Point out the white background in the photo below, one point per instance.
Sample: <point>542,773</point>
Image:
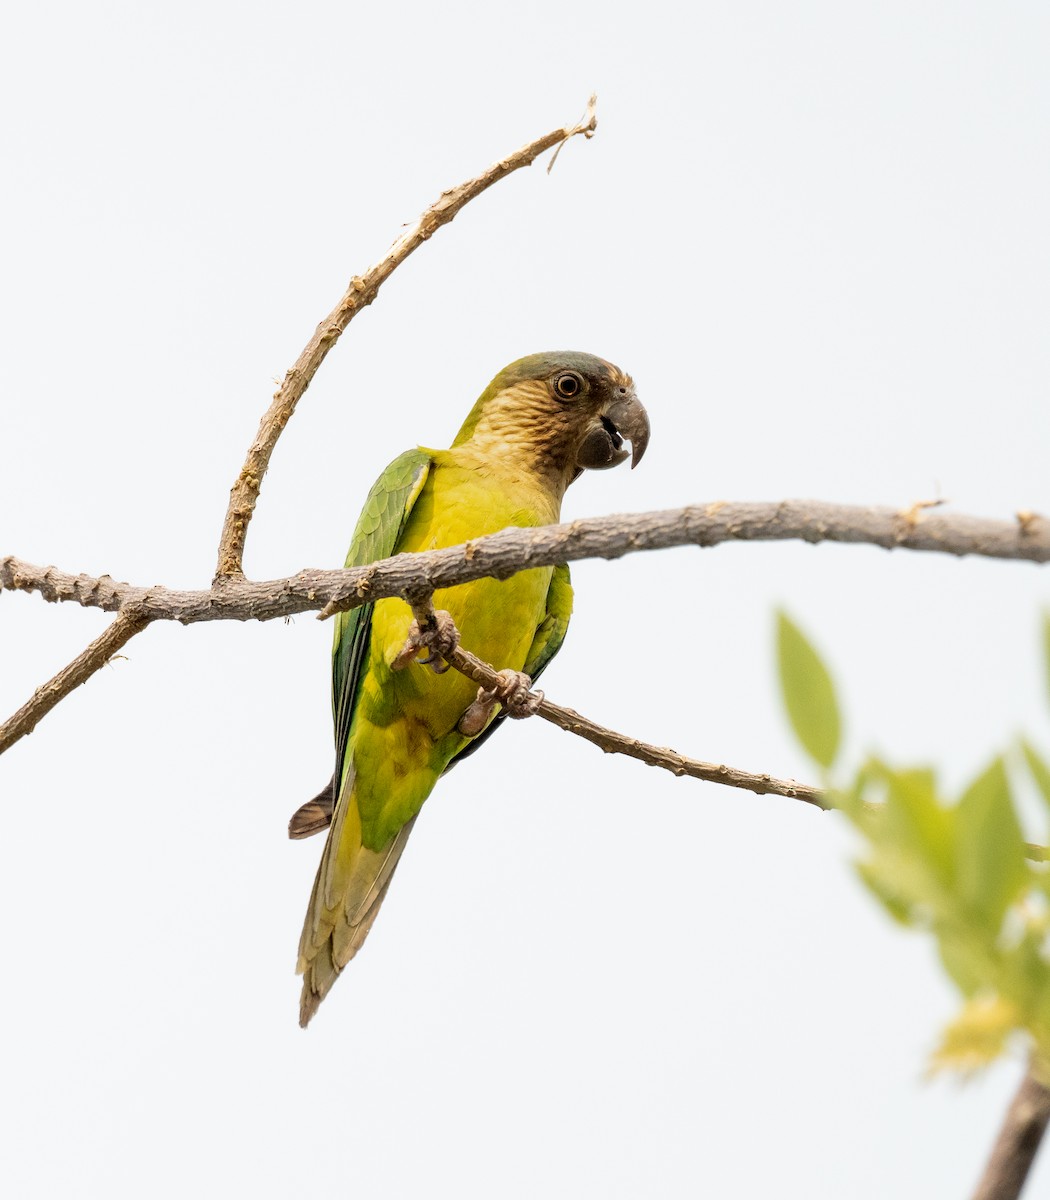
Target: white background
<point>817,235</point>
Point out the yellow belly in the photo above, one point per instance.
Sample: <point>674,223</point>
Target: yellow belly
<point>404,730</point>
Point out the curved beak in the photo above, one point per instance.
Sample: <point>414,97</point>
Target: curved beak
<point>630,422</point>
<point>621,420</point>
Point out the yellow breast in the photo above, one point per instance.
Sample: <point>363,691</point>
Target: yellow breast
<point>404,731</point>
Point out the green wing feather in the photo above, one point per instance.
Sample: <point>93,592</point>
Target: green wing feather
<point>551,631</point>
<point>376,536</point>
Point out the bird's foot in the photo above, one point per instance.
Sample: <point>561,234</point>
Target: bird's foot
<point>436,633</point>
<point>513,690</point>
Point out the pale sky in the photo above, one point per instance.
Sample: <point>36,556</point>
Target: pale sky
<point>817,236</point>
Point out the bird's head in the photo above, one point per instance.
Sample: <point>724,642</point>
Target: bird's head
<point>563,412</point>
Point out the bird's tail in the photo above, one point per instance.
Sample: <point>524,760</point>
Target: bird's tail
<point>350,886</point>
<point>315,814</point>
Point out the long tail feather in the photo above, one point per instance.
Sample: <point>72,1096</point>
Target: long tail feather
<point>348,891</point>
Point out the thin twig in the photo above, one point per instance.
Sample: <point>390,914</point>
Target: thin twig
<point>361,292</point>
<point>586,125</point>
<point>483,674</point>
<point>44,699</point>
<point>654,756</point>
<point>1015,1147</point>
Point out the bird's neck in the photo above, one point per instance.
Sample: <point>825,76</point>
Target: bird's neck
<point>522,481</point>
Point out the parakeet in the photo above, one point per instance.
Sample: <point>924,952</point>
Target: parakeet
<point>537,426</point>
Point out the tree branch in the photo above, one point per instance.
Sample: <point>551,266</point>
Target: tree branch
<point>501,554</point>
<point>1015,1147</point>
<point>612,742</point>
<point>361,292</point>
<point>44,699</point>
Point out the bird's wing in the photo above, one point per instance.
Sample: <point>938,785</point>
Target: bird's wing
<point>378,529</point>
<point>551,631</point>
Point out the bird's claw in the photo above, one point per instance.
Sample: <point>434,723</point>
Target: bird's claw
<point>513,690</point>
<point>438,634</point>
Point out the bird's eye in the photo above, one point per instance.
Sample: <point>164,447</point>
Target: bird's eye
<point>568,385</point>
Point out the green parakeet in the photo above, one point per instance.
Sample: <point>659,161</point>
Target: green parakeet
<point>537,426</point>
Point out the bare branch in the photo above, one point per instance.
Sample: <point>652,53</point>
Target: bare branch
<point>361,292</point>
<point>44,699</point>
<point>654,756</point>
<point>501,554</point>
<point>1015,1147</point>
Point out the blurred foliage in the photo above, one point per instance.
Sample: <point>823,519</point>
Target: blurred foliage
<point>809,694</point>
<point>959,869</point>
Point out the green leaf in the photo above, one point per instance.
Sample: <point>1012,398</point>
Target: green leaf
<point>809,694</point>
<point>1037,765</point>
<point>966,963</point>
<point>989,848</point>
<point>1025,973</point>
<point>910,866</point>
<point>883,886</point>
<point>922,829</point>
